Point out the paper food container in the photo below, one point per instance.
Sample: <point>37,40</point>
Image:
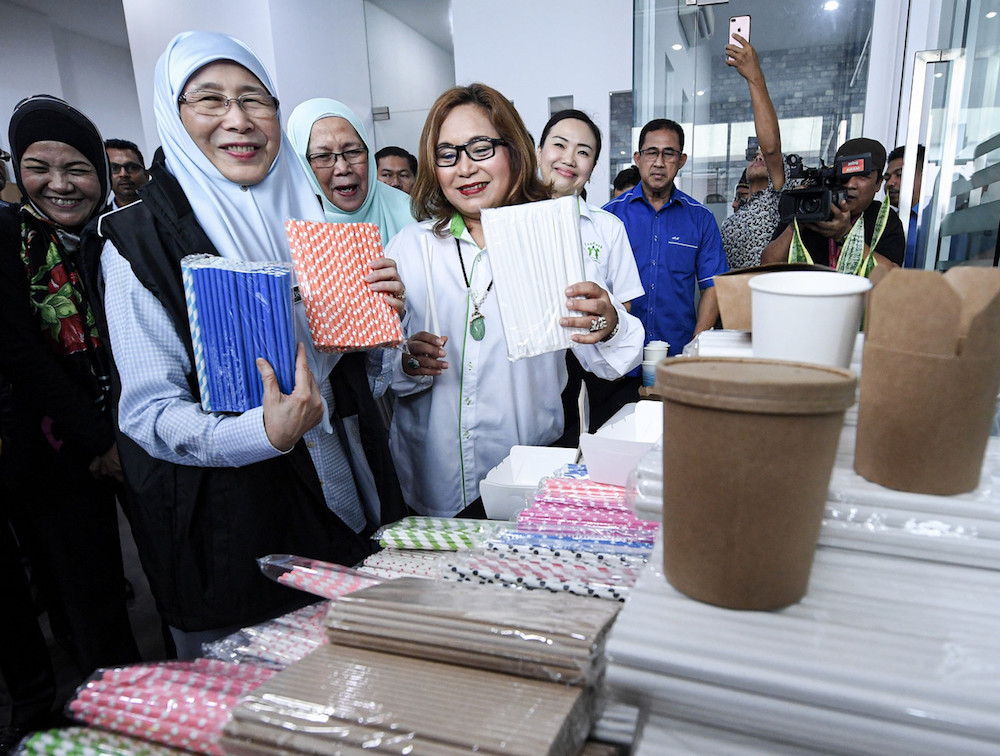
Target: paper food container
<point>733,291</point>
<point>506,487</point>
<point>615,450</point>
<point>931,379</point>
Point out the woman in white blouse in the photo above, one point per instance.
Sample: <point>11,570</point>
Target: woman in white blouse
<point>461,405</point>
<point>567,153</point>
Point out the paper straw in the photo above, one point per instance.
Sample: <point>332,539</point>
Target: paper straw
<point>427,251</point>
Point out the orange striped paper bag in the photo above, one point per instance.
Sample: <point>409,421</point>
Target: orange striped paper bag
<point>331,262</point>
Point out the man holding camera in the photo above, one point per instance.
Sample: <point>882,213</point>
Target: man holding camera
<point>853,220</point>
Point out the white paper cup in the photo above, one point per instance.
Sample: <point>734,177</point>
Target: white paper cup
<point>655,351</point>
<point>807,316</point>
<point>649,372</point>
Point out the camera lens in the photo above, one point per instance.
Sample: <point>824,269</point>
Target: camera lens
<point>810,205</point>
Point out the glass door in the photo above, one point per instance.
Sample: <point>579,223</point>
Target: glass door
<point>815,56</point>
<point>954,110</point>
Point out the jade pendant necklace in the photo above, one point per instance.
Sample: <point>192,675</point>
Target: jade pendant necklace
<point>477,322</point>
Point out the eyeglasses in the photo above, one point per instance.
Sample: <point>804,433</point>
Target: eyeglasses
<point>478,149</point>
<point>127,167</point>
<point>329,159</point>
<point>217,104</point>
<point>669,154</point>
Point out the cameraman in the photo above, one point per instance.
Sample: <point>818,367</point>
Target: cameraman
<point>825,239</point>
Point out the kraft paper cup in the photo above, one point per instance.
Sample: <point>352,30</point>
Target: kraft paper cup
<point>807,316</point>
<point>748,449</point>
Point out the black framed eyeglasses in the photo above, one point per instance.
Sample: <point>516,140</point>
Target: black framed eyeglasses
<point>669,154</point>
<point>354,156</point>
<point>478,149</point>
<point>217,104</point>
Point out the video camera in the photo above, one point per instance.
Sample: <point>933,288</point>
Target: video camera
<point>820,188</point>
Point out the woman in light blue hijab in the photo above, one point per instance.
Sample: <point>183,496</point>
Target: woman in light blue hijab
<point>332,144</point>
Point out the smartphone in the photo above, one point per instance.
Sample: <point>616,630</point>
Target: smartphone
<point>739,25</point>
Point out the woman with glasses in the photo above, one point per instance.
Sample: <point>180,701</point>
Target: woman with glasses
<point>567,153</point>
<point>213,492</point>
<point>332,144</point>
<point>460,403</point>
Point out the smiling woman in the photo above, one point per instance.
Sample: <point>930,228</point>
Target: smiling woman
<point>304,473</point>
<point>458,413</point>
<point>59,460</point>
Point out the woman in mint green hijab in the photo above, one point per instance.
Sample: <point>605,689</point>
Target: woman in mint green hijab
<point>332,144</point>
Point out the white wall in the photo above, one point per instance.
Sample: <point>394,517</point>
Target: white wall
<point>532,50</point>
<point>41,57</point>
<point>407,72</point>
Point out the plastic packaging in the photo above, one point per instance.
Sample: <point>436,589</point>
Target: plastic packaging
<point>180,704</point>
<point>437,533</point>
<point>331,262</point>
<point>87,741</point>
<point>535,253</point>
<point>275,643</point>
<point>319,578</point>
<point>238,311</point>
<point>558,638</point>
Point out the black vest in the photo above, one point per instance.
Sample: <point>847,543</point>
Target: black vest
<point>200,530</point>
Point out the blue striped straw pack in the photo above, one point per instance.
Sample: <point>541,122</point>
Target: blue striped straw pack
<point>238,311</point>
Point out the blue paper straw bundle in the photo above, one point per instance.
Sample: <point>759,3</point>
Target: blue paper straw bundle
<point>239,311</point>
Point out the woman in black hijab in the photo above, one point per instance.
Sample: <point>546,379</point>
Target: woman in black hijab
<point>58,460</point>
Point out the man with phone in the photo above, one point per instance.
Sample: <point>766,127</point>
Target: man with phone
<point>745,234</point>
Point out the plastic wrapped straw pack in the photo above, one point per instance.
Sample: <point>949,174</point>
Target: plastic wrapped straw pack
<point>314,576</point>
<point>535,253</point>
<point>238,311</point>
<point>331,261</point>
<point>438,533</point>
<point>180,704</point>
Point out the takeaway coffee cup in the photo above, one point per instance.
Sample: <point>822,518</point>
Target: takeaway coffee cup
<point>649,372</point>
<point>807,316</point>
<point>748,449</point>
<point>655,351</point>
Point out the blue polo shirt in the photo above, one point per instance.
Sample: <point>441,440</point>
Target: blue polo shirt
<point>676,249</point>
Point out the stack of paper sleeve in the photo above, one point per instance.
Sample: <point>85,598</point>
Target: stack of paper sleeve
<point>341,700</point>
<point>884,655</point>
<point>331,262</point>
<point>238,311</point>
<point>535,253</point>
<point>549,637</point>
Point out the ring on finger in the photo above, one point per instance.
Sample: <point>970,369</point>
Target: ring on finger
<point>401,296</point>
<point>598,324</point>
<point>412,363</point>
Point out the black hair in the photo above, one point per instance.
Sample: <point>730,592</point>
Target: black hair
<point>579,115</point>
<point>661,124</point>
<point>627,178</point>
<point>397,152</point>
<point>124,144</point>
<point>897,154</point>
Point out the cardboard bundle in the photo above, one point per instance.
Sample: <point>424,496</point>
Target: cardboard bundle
<point>535,253</point>
<point>331,262</point>
<point>557,637</point>
<point>931,378</point>
<point>342,700</point>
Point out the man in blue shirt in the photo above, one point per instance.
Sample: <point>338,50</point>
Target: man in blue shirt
<point>675,241</point>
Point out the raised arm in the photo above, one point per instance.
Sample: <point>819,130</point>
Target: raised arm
<point>745,61</point>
